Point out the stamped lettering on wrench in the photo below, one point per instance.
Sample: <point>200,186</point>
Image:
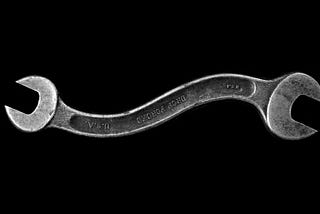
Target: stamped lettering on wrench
<point>99,126</point>
<point>163,108</point>
<point>234,87</point>
<point>151,115</point>
<point>177,101</point>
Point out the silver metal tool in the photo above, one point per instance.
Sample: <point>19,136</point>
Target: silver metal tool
<point>273,99</point>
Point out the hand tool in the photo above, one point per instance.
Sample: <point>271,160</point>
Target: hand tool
<point>273,99</point>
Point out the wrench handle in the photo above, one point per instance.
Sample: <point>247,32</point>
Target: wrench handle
<point>159,110</point>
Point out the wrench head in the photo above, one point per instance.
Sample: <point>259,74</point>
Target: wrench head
<point>280,104</point>
<point>45,109</point>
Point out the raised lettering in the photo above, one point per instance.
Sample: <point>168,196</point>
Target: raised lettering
<point>91,124</point>
<point>101,126</point>
<point>158,111</point>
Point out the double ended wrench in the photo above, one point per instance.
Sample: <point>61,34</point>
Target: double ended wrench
<point>273,99</point>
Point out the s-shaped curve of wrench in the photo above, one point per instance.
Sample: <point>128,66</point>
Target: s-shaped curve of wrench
<point>273,99</point>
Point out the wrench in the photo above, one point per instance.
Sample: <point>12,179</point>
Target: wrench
<point>273,99</point>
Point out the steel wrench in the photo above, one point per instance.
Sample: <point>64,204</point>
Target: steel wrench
<point>273,99</point>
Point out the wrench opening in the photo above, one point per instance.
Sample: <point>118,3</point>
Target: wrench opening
<point>45,109</point>
<point>306,116</point>
<point>279,115</point>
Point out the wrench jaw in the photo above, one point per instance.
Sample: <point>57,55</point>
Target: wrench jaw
<point>287,128</point>
<point>45,109</point>
<point>279,109</point>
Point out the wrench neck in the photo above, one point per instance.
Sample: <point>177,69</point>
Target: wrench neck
<point>157,111</point>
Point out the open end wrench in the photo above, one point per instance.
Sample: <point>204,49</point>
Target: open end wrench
<point>273,99</point>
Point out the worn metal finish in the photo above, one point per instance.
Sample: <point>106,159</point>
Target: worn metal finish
<point>45,109</point>
<point>273,99</point>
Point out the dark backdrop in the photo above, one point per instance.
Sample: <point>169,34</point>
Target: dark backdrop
<point>227,129</point>
<point>113,65</point>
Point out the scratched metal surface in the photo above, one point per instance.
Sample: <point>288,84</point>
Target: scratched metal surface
<point>272,98</point>
<point>157,111</point>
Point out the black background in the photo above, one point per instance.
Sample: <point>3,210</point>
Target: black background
<point>123,87</point>
<point>110,64</point>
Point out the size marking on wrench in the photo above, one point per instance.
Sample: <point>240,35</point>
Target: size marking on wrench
<point>273,99</point>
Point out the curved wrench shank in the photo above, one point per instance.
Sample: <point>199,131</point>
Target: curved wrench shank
<point>157,111</point>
